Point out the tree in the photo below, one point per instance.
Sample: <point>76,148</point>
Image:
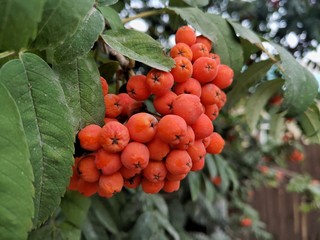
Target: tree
<point>52,57</point>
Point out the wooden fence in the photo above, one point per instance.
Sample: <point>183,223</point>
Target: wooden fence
<point>280,210</point>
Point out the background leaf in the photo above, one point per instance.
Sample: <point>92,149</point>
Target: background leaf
<point>138,46</point>
<point>60,19</point>
<point>300,86</point>
<point>246,33</point>
<point>245,80</point>
<point>46,121</point>
<point>18,22</point>
<point>310,123</point>
<point>16,177</point>
<point>112,17</point>
<point>82,88</point>
<point>82,40</point>
<point>194,180</point>
<point>259,99</point>
<point>74,207</point>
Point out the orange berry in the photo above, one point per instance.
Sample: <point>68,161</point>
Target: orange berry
<point>223,100</point>
<point>204,40</point>
<point>113,107</point>
<point>171,129</point>
<point>158,149</point>
<point>178,162</point>
<point>135,107</point>
<point>182,70</point>
<point>199,50</point>
<point>159,82</point>
<point>125,101</point>
<point>175,177</point>
<point>188,107</point>
<point>142,127</point>
<point>216,143</point>
<point>104,85</point>
<point>133,182</point>
<point>296,156</point>
<point>198,165</point>
<point>196,151</point>
<point>107,162</point>
<point>163,103</point>
<point>135,155</point>
<point>210,94</point>
<point>224,76</point>
<point>186,140</point>
<point>87,169</point>
<point>106,120</point>
<point>89,137</point>
<point>205,69</point>
<point>215,57</point>
<point>263,169</point>
<point>185,34</point>
<point>216,181</point>
<point>151,187</point>
<point>171,186</point>
<point>129,173</point>
<point>206,141</point>
<point>191,86</point>
<point>203,127</point>
<point>87,188</point>
<point>155,171</point>
<point>182,50</point>
<point>114,137</point>
<point>110,184</point>
<point>137,87</point>
<point>212,111</point>
<point>246,222</point>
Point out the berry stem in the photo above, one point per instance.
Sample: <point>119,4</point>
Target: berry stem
<point>143,14</point>
<point>7,54</point>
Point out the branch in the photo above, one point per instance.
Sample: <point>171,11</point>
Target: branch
<point>143,14</point>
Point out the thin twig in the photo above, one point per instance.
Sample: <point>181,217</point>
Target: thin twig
<point>143,14</point>
<point>7,54</point>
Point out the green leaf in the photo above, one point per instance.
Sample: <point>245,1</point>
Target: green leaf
<point>245,80</point>
<point>82,88</point>
<point>104,216</point>
<point>164,222</point>
<point>277,127</point>
<point>112,17</point>
<point>300,88</point>
<point>194,180</point>
<point>60,19</point>
<point>18,22</point>
<point>210,163</point>
<point>309,122</point>
<point>227,46</point>
<point>218,31</point>
<point>138,46</point>
<point>74,207</point>
<point>16,177</point>
<point>199,20</point>
<point>259,99</point>
<point>106,2</point>
<point>195,3</point>
<point>82,40</point>
<point>222,172</point>
<point>46,121</point>
<point>145,227</point>
<point>210,191</point>
<point>160,203</point>
<point>246,33</point>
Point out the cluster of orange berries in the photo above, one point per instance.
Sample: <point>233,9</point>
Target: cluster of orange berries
<point>156,150</point>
